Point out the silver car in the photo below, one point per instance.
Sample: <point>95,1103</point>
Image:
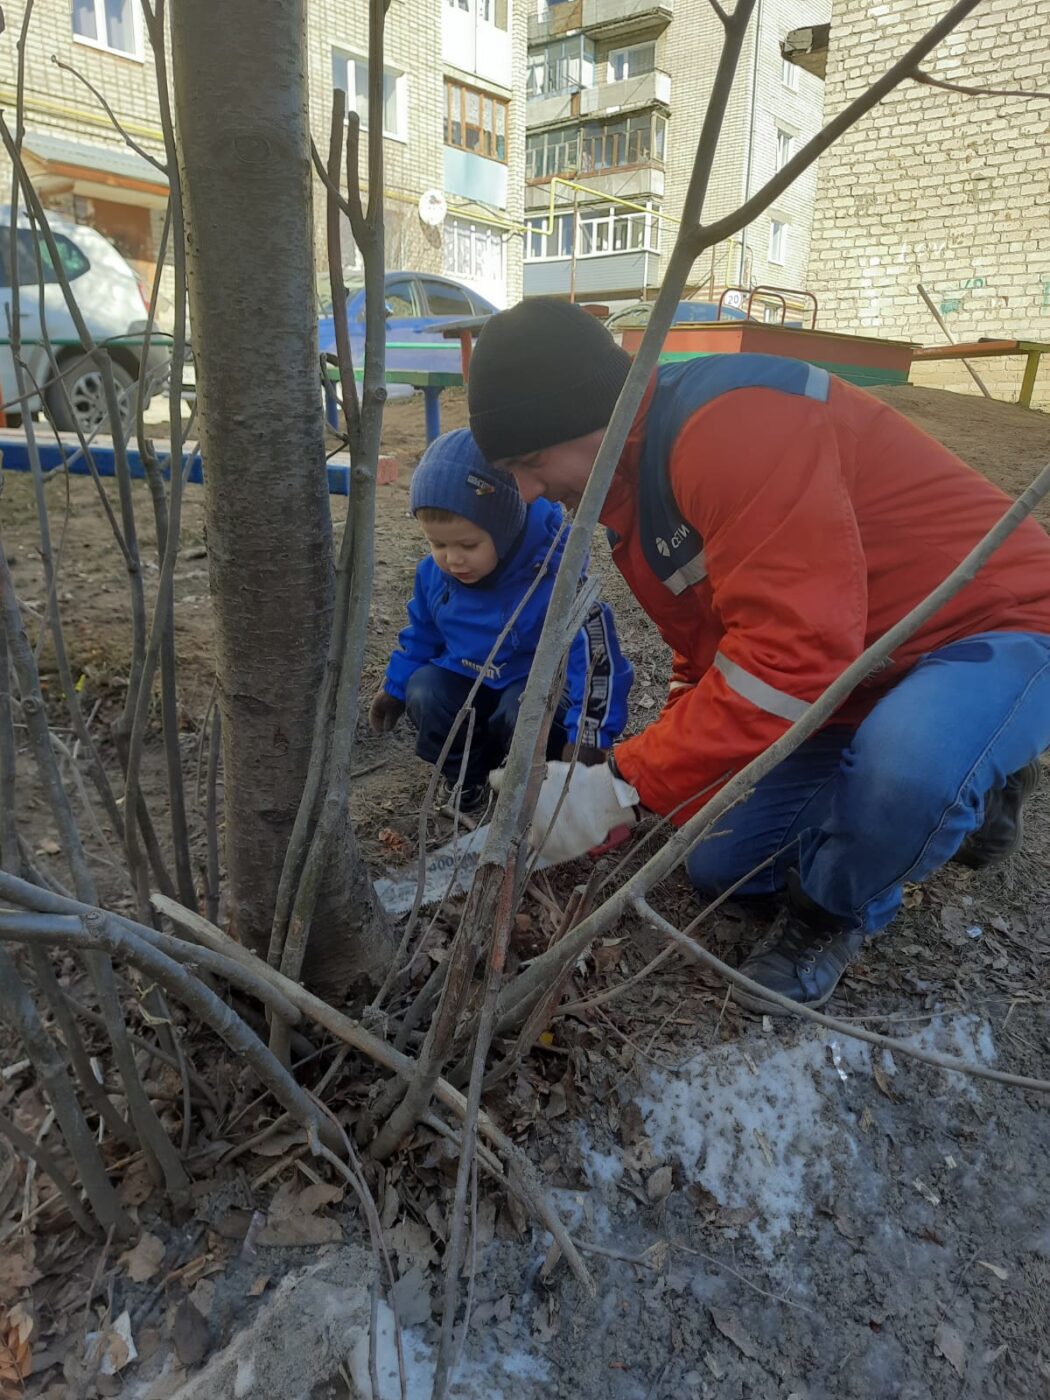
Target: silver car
<point>113,303</point>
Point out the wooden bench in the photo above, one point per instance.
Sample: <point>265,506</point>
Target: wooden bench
<point>1033,350</point>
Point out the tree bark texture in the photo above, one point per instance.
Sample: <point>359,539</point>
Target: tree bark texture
<point>244,161</point>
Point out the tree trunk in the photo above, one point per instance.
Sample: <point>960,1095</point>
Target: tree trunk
<point>244,157</point>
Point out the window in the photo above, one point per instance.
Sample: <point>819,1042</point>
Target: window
<point>632,62</point>
<point>108,24</point>
<point>596,146</point>
<point>630,141</point>
<point>74,263</point>
<point>401,300</point>
<point>600,229</point>
<point>492,12</point>
<point>554,152</point>
<point>778,237</point>
<point>351,74</point>
<point>566,66</point>
<point>785,147</point>
<point>473,251</point>
<point>475,121</point>
<point>789,74</point>
<point>446,300</point>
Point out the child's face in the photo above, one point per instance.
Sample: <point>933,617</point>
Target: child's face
<point>461,548</point>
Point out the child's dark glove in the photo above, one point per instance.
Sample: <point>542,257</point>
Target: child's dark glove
<point>587,757</point>
<point>385,712</point>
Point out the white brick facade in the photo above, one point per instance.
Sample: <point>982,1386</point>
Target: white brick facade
<point>940,188</point>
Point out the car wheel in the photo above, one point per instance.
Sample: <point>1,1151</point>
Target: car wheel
<point>83,404</point>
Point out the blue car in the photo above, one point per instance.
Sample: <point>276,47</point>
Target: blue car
<point>636,317</point>
<point>418,304</point>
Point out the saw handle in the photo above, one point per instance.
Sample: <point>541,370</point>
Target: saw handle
<point>616,838</point>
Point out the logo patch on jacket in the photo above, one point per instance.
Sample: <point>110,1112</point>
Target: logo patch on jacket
<point>480,485</point>
<point>491,672</point>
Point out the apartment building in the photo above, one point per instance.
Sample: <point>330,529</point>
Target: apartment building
<point>453,123</point>
<point>617,91</point>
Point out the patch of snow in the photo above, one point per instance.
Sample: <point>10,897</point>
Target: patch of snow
<point>600,1168</point>
<point>245,1377</point>
<point>472,1379</point>
<point>966,1037</point>
<point>753,1138</point>
<point>766,1136</point>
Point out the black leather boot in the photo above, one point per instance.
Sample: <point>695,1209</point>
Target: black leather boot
<point>1002,830</point>
<point>803,956</point>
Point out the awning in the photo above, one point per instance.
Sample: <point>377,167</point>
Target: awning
<point>117,166</point>
<point>808,48</point>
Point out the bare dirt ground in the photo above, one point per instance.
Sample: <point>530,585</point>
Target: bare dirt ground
<point>770,1213</point>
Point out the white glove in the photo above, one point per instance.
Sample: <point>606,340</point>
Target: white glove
<point>596,803</point>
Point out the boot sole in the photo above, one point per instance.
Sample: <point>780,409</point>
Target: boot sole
<point>751,1002</point>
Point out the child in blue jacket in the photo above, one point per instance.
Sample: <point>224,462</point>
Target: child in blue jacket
<point>486,549</point>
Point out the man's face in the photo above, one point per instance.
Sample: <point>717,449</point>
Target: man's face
<point>559,473</point>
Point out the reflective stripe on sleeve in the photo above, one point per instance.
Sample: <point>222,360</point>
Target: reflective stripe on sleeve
<point>761,695</point>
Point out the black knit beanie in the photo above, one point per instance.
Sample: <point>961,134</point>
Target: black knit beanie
<point>543,372</point>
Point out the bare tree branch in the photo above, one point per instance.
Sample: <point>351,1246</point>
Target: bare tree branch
<point>906,1048</point>
<point>129,140</point>
<point>921,76</point>
<point>23,1143</point>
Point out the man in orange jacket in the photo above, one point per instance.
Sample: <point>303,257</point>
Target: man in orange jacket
<point>774,521</point>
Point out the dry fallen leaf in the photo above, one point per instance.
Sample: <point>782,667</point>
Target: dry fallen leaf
<point>190,1334</point>
<point>136,1187</point>
<point>279,1143</point>
<point>926,1192</point>
<point>952,1347</point>
<point>259,1286</point>
<point>412,1295</point>
<point>145,1259</point>
<point>17,1271</point>
<point>996,1269</point>
<point>118,1346</point>
<point>882,1081</point>
<point>291,1219</point>
<point>660,1184</point>
<point>393,841</point>
<point>16,1351</point>
<point>731,1327</point>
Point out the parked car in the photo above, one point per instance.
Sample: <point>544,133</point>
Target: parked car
<point>113,302</point>
<point>636,317</point>
<point>417,305</point>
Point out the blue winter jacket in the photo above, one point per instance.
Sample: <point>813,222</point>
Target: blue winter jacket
<point>453,625</point>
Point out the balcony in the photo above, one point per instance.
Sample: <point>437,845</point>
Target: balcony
<point>475,177</point>
<point>474,46</point>
<point>636,184</point>
<point>558,20</point>
<point>550,108</point>
<point>627,95</point>
<point>614,18</point>
<point>614,275</point>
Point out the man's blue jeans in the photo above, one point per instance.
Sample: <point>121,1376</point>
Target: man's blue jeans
<point>859,812</point>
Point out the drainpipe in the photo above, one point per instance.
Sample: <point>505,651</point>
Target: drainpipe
<point>750,136</point>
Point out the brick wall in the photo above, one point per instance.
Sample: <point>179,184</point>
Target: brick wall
<point>932,186</point>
